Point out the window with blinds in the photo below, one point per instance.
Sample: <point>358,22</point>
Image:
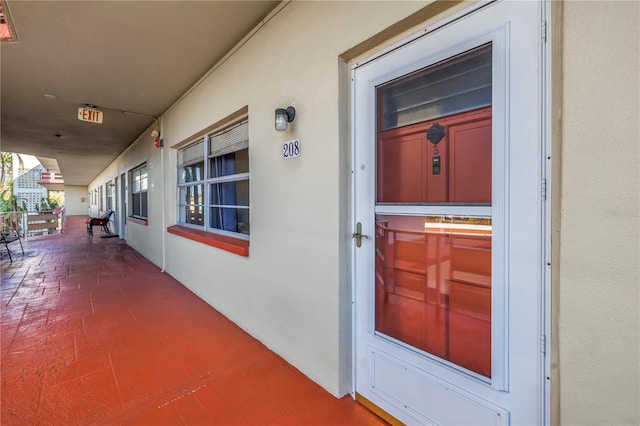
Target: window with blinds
<point>139,184</point>
<point>213,182</point>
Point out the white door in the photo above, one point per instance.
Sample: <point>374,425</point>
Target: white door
<point>449,281</point>
<point>115,207</point>
<point>123,206</point>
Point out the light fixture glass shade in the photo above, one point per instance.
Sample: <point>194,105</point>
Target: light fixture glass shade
<point>281,119</point>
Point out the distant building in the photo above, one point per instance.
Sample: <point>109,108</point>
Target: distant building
<point>32,181</point>
<point>26,174</point>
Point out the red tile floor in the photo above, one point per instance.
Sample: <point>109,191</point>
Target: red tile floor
<point>93,333</point>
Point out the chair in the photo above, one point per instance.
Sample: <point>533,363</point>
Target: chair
<point>102,221</point>
<point>9,233</point>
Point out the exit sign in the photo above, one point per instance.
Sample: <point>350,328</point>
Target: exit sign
<point>89,114</point>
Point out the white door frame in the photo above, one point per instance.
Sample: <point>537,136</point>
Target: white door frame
<point>122,206</point>
<point>544,110</point>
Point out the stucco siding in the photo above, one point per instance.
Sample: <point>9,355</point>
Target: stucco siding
<point>599,257</point>
<point>146,239</point>
<point>76,200</point>
<point>286,293</point>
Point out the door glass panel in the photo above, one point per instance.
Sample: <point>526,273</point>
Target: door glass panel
<point>433,286</point>
<point>445,158</point>
<point>458,84</point>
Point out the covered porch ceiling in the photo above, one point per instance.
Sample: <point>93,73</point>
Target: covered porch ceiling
<point>137,56</point>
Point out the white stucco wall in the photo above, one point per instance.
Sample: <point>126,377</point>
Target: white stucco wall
<point>286,293</point>
<point>73,200</point>
<point>146,239</point>
<point>599,258</point>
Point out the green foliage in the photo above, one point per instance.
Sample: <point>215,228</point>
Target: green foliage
<point>10,202</point>
<point>47,204</point>
<point>6,163</point>
<point>57,197</point>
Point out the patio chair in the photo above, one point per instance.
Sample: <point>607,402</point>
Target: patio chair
<point>9,233</point>
<point>102,221</point>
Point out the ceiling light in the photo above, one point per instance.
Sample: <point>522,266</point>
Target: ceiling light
<point>49,96</point>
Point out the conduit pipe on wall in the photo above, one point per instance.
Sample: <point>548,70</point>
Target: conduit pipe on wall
<point>162,197</point>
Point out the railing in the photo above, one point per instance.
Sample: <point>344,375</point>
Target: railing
<point>30,224</point>
<point>10,221</point>
<point>62,215</point>
<point>42,223</point>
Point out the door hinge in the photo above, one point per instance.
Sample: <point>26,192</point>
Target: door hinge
<point>543,190</point>
<point>543,344</point>
<point>543,31</point>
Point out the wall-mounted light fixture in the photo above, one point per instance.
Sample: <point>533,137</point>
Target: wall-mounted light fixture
<point>284,116</point>
<point>156,134</point>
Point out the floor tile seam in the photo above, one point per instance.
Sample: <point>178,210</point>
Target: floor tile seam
<point>166,397</point>
<point>115,380</point>
<point>197,400</point>
<point>175,408</point>
<point>77,377</point>
<point>75,347</point>
<point>17,328</point>
<point>10,276</point>
<point>34,341</point>
<point>41,394</point>
<point>17,288</point>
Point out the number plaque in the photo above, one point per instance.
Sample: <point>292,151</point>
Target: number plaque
<point>291,149</point>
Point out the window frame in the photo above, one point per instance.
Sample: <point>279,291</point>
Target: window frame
<point>109,194</point>
<point>132,173</point>
<point>207,180</point>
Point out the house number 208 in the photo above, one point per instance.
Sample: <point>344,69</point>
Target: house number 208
<point>291,149</point>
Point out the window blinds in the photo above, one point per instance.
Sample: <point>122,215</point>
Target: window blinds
<point>230,140</point>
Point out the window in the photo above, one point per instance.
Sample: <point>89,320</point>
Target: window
<point>109,188</point>
<point>213,182</point>
<point>139,185</point>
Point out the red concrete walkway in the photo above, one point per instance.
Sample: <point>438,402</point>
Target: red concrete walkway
<point>93,333</point>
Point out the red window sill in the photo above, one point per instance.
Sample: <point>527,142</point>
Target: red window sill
<point>233,245</point>
<point>132,219</point>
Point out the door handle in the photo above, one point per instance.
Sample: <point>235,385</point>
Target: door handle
<point>358,235</point>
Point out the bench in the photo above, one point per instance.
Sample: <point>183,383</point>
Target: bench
<point>102,222</point>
